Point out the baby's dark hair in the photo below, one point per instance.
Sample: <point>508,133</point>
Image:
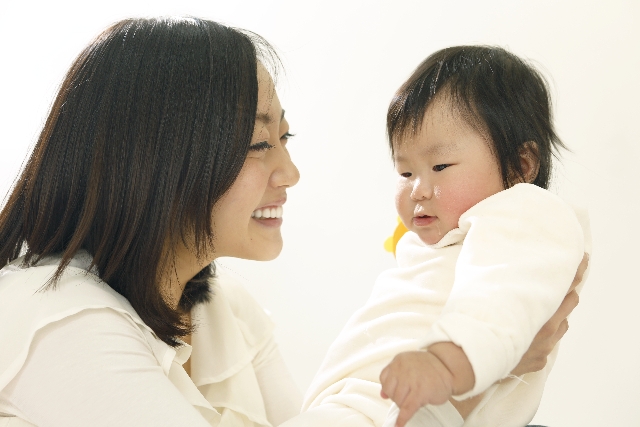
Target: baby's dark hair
<point>496,92</point>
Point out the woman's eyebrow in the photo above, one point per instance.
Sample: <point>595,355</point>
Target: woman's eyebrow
<point>266,118</point>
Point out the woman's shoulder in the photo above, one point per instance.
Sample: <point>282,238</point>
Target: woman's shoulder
<point>34,283</point>
<point>29,303</point>
<point>28,293</point>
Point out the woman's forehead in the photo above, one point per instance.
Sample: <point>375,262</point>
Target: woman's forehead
<point>268,109</point>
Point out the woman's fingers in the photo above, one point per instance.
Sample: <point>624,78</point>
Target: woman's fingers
<point>569,303</point>
<point>546,339</point>
<point>551,332</point>
<point>580,273</point>
<point>562,329</point>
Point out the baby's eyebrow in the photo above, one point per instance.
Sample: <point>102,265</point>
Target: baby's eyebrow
<point>440,148</point>
<point>432,150</point>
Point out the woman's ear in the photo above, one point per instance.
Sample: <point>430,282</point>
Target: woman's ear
<point>529,161</point>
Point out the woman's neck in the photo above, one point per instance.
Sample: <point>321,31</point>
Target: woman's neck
<point>178,273</point>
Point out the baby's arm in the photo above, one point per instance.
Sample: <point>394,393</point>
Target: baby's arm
<point>522,249</point>
<point>534,359</point>
<point>430,377</point>
<point>510,277</point>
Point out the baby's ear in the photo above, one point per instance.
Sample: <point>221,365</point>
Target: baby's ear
<point>529,161</point>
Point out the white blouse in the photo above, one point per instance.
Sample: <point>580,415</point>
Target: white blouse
<point>79,355</point>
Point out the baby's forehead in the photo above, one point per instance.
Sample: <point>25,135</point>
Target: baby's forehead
<point>406,148</point>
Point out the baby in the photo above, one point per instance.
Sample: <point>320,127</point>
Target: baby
<point>487,260</point>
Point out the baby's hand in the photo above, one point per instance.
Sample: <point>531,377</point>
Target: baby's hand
<point>414,379</point>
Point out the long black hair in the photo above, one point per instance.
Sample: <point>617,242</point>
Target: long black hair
<point>496,92</point>
<point>150,127</point>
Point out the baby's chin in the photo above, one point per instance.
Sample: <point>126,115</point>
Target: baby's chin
<point>430,241</point>
<point>433,235</point>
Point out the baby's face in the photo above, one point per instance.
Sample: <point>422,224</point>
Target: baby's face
<point>442,172</point>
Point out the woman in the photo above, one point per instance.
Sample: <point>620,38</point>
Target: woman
<point>165,149</point>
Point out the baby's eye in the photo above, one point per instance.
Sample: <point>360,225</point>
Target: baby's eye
<point>260,146</point>
<point>405,174</point>
<point>438,168</point>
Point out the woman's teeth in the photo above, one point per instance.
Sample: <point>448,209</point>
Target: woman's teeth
<point>267,213</point>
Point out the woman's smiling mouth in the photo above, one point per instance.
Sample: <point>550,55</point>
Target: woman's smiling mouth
<point>268,216</point>
<point>267,212</point>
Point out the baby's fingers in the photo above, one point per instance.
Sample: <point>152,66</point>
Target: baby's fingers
<point>389,384</point>
<point>408,409</point>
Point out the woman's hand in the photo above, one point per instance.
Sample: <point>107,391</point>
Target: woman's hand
<point>536,356</point>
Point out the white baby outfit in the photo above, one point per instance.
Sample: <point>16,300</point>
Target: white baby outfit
<point>488,286</point>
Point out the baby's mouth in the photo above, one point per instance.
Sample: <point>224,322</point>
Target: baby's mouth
<point>423,220</point>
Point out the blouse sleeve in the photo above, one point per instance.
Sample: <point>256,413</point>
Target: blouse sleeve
<point>95,368</point>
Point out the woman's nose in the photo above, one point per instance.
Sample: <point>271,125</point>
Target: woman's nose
<point>287,174</point>
<point>421,190</point>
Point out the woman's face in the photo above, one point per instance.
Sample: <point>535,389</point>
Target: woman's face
<point>247,219</point>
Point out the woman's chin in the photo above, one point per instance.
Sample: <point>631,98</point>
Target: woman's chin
<point>267,251</point>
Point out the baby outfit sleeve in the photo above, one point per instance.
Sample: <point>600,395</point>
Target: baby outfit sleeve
<point>105,375</point>
<point>282,398</point>
<point>433,416</point>
<point>520,254</point>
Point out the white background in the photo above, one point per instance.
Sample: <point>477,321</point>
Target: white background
<point>344,60</point>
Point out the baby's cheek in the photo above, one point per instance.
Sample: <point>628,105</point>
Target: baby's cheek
<point>458,200</point>
<point>403,205</point>
<point>437,191</point>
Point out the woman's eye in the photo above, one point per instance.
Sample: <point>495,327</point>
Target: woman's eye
<point>287,135</point>
<point>438,168</point>
<point>260,146</point>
